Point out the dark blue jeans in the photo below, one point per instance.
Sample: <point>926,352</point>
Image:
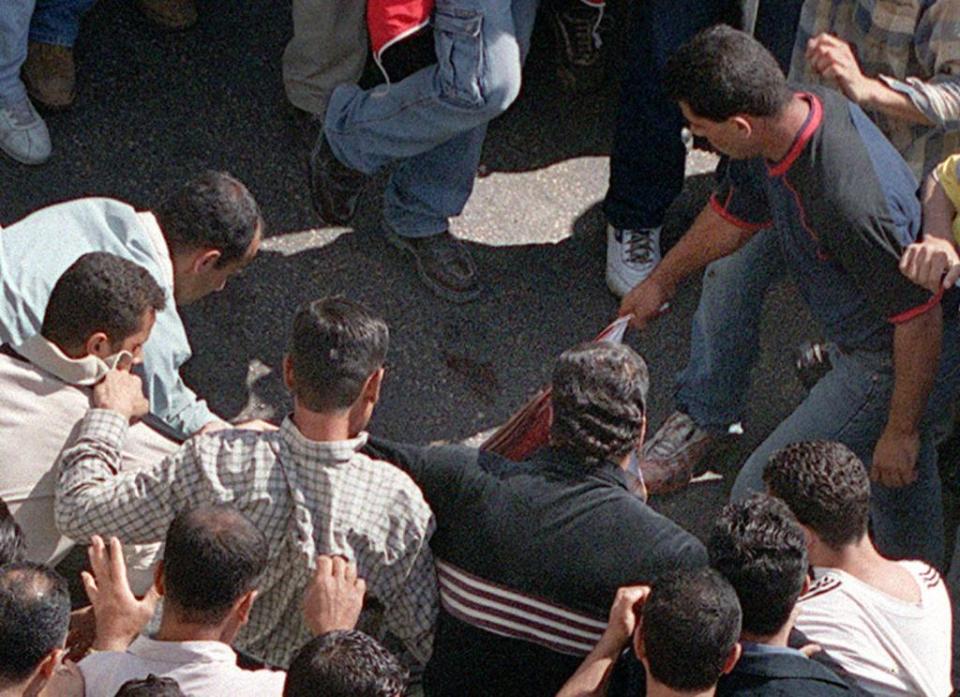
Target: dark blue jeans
<point>647,159</point>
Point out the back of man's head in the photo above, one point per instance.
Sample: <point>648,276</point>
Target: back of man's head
<point>759,548</point>
<point>690,629</point>
<point>212,558</point>
<point>345,663</point>
<point>34,616</point>
<point>150,686</point>
<point>100,292</point>
<point>599,400</point>
<point>827,488</point>
<point>722,72</point>
<point>335,346</point>
<point>12,543</point>
<point>212,211</point>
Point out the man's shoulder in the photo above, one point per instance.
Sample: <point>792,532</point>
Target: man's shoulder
<point>780,674</point>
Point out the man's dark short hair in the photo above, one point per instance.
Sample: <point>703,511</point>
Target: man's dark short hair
<point>345,663</point>
<point>599,400</point>
<point>691,623</point>
<point>150,686</point>
<point>12,543</point>
<point>100,292</point>
<point>213,556</point>
<point>759,548</point>
<point>827,488</point>
<point>34,617</point>
<point>722,72</point>
<point>214,211</point>
<point>336,344</point>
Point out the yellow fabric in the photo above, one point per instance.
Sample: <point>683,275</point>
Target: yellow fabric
<point>947,175</point>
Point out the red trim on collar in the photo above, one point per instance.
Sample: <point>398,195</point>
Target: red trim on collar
<point>810,126</point>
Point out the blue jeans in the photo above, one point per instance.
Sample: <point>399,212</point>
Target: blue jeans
<point>647,159</point>
<point>432,124</point>
<point>50,22</point>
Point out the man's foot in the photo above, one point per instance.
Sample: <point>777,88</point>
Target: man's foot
<point>173,15</point>
<point>443,263</point>
<point>674,453</point>
<point>23,134</point>
<point>576,28</point>
<point>334,188</point>
<point>50,76</point>
<point>632,254</point>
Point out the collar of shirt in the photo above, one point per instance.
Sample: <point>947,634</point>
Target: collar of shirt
<point>750,647</point>
<point>570,464</point>
<point>48,357</point>
<point>182,652</point>
<point>302,449</point>
<point>159,242</point>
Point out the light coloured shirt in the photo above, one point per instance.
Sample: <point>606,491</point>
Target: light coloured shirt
<point>40,402</point>
<point>201,668</point>
<point>307,498</point>
<point>35,251</point>
<point>913,46</point>
<point>890,647</point>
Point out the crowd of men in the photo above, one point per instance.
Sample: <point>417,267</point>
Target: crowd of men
<point>312,557</point>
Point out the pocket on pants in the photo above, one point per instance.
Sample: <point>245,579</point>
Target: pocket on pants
<point>459,43</point>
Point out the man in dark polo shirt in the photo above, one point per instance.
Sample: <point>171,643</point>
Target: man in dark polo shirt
<point>811,169</point>
<point>530,555</point>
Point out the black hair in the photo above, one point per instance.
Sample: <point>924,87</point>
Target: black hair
<point>214,211</point>
<point>759,547</point>
<point>722,72</point>
<point>345,663</point>
<point>100,292</point>
<point>212,557</point>
<point>599,400</point>
<point>150,686</point>
<point>12,543</point>
<point>335,345</point>
<point>827,488</point>
<point>691,624</point>
<point>34,617</point>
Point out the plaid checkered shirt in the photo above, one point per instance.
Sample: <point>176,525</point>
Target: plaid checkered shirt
<point>307,497</point>
<point>913,46</point>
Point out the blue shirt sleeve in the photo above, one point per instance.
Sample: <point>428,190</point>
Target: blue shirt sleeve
<point>740,197</point>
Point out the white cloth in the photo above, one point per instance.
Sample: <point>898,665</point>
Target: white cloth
<point>38,409</point>
<point>890,647</point>
<point>202,669</point>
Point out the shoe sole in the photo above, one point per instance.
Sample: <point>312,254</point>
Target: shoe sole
<point>460,298</point>
<point>21,160</point>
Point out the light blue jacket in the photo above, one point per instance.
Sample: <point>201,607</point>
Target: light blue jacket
<point>35,251</point>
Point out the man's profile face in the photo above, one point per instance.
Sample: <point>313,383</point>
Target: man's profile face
<point>214,278</point>
<point>133,344</point>
<point>727,136</point>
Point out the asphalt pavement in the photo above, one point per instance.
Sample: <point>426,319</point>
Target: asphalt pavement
<point>155,108</point>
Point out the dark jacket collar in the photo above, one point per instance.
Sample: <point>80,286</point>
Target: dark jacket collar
<point>570,465</point>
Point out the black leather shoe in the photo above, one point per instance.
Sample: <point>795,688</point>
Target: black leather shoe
<point>334,188</point>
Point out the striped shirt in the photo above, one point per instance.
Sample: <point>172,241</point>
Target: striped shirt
<point>307,497</point>
<point>913,46</point>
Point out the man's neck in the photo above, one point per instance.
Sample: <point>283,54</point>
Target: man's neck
<point>779,639</point>
<point>173,630</point>
<point>656,689</point>
<point>782,130</point>
<point>322,427</point>
<point>859,559</point>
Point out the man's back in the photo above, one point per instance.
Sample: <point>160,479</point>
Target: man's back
<point>889,646</point>
<point>529,556</point>
<point>782,671</point>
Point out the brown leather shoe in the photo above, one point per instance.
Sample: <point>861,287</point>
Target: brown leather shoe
<point>674,454</point>
<point>49,75</point>
<point>170,14</point>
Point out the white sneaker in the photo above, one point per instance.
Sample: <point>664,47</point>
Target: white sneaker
<point>631,256</point>
<point>23,134</point>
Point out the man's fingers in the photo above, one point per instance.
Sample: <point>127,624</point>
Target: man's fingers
<point>97,554</point>
<point>361,586</point>
<point>324,566</point>
<point>90,586</point>
<point>151,598</point>
<point>810,649</point>
<point>118,566</point>
<point>350,573</point>
<point>952,275</point>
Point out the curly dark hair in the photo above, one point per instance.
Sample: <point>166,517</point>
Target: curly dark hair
<point>13,546</point>
<point>599,400</point>
<point>100,292</point>
<point>759,547</point>
<point>826,486</point>
<point>345,663</point>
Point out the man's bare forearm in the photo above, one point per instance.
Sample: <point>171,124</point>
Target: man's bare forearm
<point>916,355</point>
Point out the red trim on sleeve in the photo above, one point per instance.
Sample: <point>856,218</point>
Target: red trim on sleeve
<point>918,310</point>
<point>734,220</point>
<point>810,126</point>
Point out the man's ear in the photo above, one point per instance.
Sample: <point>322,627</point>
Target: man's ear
<point>643,434</point>
<point>288,377</point>
<point>206,259</point>
<point>732,659</point>
<point>744,125</point>
<point>245,605</point>
<point>50,663</point>
<point>158,578</point>
<point>371,388</point>
<point>639,649</point>
<point>98,344</point>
